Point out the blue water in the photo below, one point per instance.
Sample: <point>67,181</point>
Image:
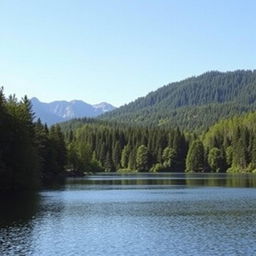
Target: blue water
<point>134,215</point>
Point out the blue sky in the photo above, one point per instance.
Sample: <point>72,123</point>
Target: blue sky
<point>118,50</point>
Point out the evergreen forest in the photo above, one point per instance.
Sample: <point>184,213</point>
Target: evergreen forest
<point>194,103</point>
<point>227,146</point>
<point>201,124</point>
<point>31,154</point>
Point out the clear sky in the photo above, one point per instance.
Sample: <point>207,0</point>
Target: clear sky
<point>118,50</point>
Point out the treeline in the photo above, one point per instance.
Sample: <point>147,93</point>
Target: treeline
<point>228,146</point>
<point>231,144</point>
<point>112,147</point>
<point>194,103</point>
<point>30,154</point>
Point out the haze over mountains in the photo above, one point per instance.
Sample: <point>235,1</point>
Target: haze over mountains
<point>59,111</point>
<point>194,103</point>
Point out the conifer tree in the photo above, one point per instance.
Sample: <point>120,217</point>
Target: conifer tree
<point>125,156</point>
<point>168,157</point>
<point>142,158</point>
<point>132,160</point>
<point>116,155</point>
<point>215,160</point>
<point>253,154</point>
<point>195,157</point>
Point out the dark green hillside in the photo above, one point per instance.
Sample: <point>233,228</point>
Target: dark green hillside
<point>227,146</point>
<point>196,102</point>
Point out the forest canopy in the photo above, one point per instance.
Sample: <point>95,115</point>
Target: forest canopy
<point>144,136</point>
<point>227,146</point>
<point>31,154</point>
<point>193,103</point>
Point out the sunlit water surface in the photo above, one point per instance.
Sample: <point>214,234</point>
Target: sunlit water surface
<point>164,214</point>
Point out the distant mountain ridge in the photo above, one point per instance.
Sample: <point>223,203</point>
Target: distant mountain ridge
<point>193,103</point>
<point>59,111</point>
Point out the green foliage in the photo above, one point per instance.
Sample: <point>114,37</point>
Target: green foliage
<point>140,136</point>
<point>29,154</point>
<point>253,153</point>
<point>215,160</point>
<point>194,103</point>
<point>116,155</point>
<point>236,138</point>
<point>168,157</point>
<point>125,156</point>
<point>142,158</point>
<point>228,143</point>
<point>115,145</point>
<point>157,168</point>
<point>229,155</point>
<point>195,158</point>
<point>132,160</point>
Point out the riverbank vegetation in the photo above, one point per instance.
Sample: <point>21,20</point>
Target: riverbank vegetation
<point>32,154</point>
<point>228,146</point>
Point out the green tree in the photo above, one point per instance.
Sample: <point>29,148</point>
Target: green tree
<point>116,155</point>
<point>142,158</point>
<point>215,160</point>
<point>73,159</point>
<point>84,155</point>
<point>195,157</point>
<point>168,157</point>
<point>132,160</point>
<point>125,156</point>
<point>253,154</point>
<point>156,168</point>
<point>239,154</point>
<point>229,155</point>
<point>108,163</point>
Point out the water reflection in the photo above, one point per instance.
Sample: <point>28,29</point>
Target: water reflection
<point>18,208</point>
<point>142,214</point>
<point>17,213</point>
<point>163,180</point>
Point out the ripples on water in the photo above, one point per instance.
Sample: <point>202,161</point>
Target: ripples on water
<point>134,215</point>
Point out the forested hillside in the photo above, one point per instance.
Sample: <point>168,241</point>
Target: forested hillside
<point>228,146</point>
<point>152,134</point>
<point>194,103</point>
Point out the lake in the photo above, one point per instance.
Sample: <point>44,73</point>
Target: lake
<point>140,214</point>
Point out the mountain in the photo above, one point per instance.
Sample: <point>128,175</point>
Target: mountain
<point>104,107</point>
<point>193,103</point>
<point>59,111</point>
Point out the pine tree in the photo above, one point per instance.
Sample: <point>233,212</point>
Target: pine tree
<point>116,156</point>
<point>229,155</point>
<point>125,156</point>
<point>168,157</point>
<point>195,157</point>
<point>108,163</point>
<point>142,158</point>
<point>215,160</point>
<point>239,160</point>
<point>132,160</point>
<point>253,154</point>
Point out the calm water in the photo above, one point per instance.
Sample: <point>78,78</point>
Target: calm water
<point>166,214</point>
